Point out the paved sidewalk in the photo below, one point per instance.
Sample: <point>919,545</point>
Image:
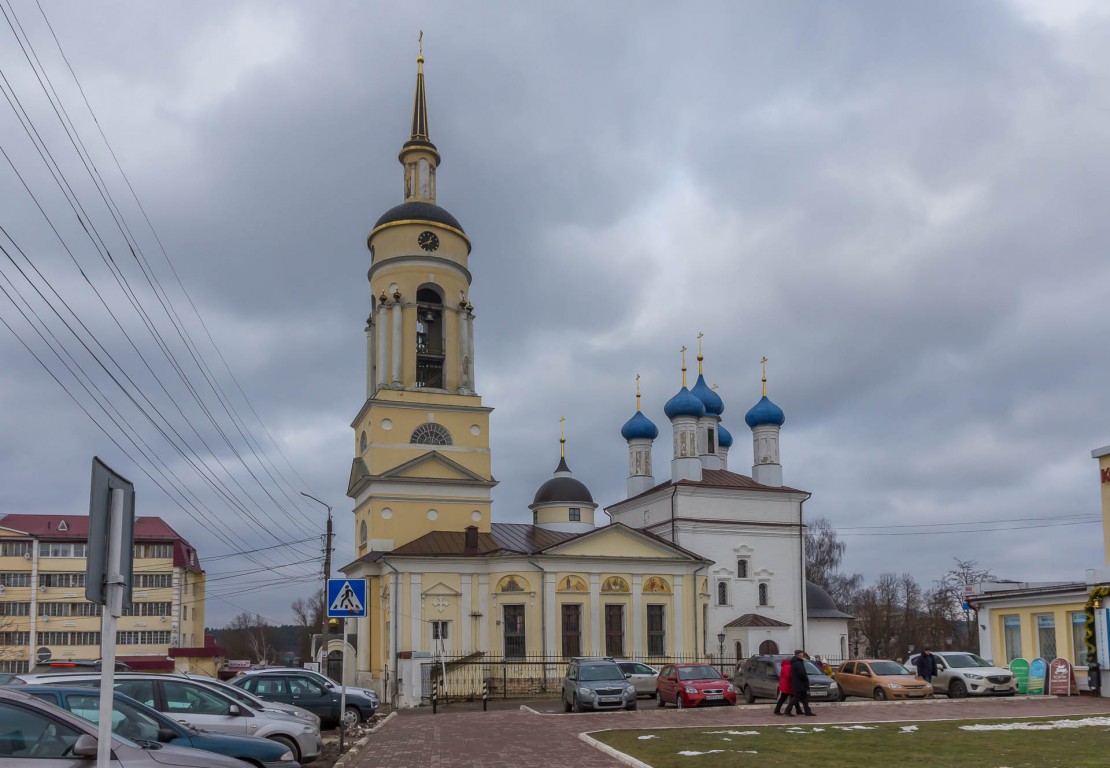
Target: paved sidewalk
<point>506,738</point>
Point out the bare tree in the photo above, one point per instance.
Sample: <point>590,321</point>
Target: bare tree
<point>251,635</point>
<point>824,551</point>
<point>953,585</point>
<point>309,615</point>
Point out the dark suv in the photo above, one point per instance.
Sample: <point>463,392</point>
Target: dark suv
<point>597,684</point>
<point>758,678</point>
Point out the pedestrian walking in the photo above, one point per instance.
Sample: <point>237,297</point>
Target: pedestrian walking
<point>823,665</point>
<point>799,681</point>
<point>785,689</point>
<point>926,665</point>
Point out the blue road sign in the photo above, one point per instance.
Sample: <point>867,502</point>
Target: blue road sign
<point>346,598</point>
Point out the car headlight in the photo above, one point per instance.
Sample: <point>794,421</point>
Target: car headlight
<point>691,689</point>
<point>832,686</point>
<point>308,729</point>
<point>630,689</point>
<point>585,692</point>
<point>970,676</point>
<point>286,757</point>
<point>895,685</point>
<point>730,688</point>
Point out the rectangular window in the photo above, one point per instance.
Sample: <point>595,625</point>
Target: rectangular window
<point>656,630</point>
<point>712,442</point>
<point>513,620</point>
<point>147,609</point>
<point>16,638</point>
<point>575,514</point>
<point>441,630</point>
<point>1078,637</point>
<point>153,580</point>
<point>1046,636</point>
<point>1011,636</point>
<point>163,551</point>
<point>614,630</point>
<point>142,638</point>
<point>572,630</point>
<point>15,579</point>
<point>15,609</point>
<point>15,549</point>
<point>63,580</point>
<point>62,549</point>
<point>69,609</point>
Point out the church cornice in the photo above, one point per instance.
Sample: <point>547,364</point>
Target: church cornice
<point>420,261</point>
<point>421,222</point>
<point>372,401</point>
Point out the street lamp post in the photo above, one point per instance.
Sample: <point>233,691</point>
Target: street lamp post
<point>721,650</point>
<point>327,575</point>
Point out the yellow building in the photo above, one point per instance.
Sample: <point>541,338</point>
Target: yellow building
<point>43,610</point>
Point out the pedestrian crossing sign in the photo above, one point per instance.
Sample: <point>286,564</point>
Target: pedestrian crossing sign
<point>346,598</point>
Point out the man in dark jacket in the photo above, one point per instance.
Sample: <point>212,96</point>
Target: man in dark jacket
<point>799,681</point>
<point>926,665</point>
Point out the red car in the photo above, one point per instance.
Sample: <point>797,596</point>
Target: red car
<point>688,685</point>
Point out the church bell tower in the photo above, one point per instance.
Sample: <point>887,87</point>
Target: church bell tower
<point>422,459</point>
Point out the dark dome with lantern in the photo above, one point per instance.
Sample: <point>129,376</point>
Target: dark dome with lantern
<point>416,210</point>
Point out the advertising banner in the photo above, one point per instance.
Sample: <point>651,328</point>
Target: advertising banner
<point>1102,636</point>
<point>1037,671</point>
<point>1061,678</point>
<point>1020,668</point>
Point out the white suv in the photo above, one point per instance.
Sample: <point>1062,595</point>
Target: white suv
<point>961,674</point>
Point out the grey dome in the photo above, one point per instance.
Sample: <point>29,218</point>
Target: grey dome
<point>563,488</point>
<point>820,605</point>
<point>418,211</point>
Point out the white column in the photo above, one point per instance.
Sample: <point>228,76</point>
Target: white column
<point>472,378</point>
<point>677,621</point>
<point>639,643</point>
<point>369,359</point>
<point>396,376</point>
<point>466,639</point>
<point>464,351</point>
<point>383,346</point>
<point>483,608</point>
<point>416,633</point>
<point>595,615</point>
<point>549,613</point>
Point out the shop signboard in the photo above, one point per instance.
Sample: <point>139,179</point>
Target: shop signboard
<point>1061,678</point>
<point>1037,671</point>
<point>1020,668</point>
<point>1102,636</point>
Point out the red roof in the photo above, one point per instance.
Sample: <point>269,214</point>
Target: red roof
<point>148,530</point>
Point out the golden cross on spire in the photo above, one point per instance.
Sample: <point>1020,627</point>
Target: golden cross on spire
<point>637,391</point>
<point>420,42</point>
<point>563,436</point>
<point>683,350</point>
<point>764,361</point>
<point>700,358</point>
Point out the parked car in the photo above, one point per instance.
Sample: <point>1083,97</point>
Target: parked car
<point>879,679</point>
<point>758,678</point>
<point>73,665</point>
<point>361,702</point>
<point>193,703</point>
<point>642,676</point>
<point>302,691</point>
<point>140,723</point>
<point>596,684</point>
<point>37,734</point>
<point>961,674</point>
<point>251,700</point>
<point>689,685</point>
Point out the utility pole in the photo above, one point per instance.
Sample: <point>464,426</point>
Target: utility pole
<point>327,575</point>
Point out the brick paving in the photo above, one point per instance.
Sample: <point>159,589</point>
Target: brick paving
<point>463,736</point>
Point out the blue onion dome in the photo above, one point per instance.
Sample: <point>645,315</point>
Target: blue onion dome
<point>684,404</point>
<point>639,427</point>
<point>714,406</point>
<point>724,437</point>
<point>763,413</point>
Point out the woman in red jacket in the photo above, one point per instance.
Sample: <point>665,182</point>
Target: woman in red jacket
<point>786,689</point>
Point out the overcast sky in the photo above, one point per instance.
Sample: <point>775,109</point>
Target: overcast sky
<point>903,206</point>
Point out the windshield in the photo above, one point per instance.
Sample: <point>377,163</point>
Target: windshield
<point>811,669</point>
<point>888,668</point>
<point>964,660</point>
<point>600,672</point>
<point>127,719</point>
<point>236,693</point>
<point>701,672</point>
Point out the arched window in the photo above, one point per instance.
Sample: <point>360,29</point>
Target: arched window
<point>429,338</point>
<point>362,443</point>
<point>722,593</point>
<point>431,434</point>
<point>764,593</point>
<point>742,568</point>
<point>362,533</point>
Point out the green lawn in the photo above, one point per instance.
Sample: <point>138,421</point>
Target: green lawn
<point>818,745</point>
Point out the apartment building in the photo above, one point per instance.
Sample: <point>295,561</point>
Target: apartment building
<point>43,610</point>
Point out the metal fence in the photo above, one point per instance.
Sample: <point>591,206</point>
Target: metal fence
<point>517,677</point>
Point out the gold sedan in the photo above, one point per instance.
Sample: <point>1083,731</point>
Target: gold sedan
<point>879,679</point>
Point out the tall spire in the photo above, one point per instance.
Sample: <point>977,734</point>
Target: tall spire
<point>683,350</point>
<point>420,104</point>
<point>637,392</point>
<point>563,436</point>
<point>700,356</point>
<point>764,361</point>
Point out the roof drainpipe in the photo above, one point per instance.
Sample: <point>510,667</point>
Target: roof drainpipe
<point>802,566</point>
<point>674,490</point>
<point>396,597</point>
<point>543,613</point>
<point>697,608</point>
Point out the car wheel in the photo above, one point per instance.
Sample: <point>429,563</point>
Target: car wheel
<point>957,690</point>
<point>841,695</point>
<point>749,697</point>
<point>351,717</point>
<point>880,694</point>
<point>659,699</point>
<point>631,707</point>
<point>566,706</point>
<point>289,744</point>
<point>578,705</point>
<point>678,701</point>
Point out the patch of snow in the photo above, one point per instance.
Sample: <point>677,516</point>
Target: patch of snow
<point>907,729</point>
<point>732,733</point>
<point>1050,725</point>
<point>641,738</point>
<point>855,727</point>
<point>692,753</point>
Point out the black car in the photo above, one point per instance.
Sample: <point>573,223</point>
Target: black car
<point>758,678</point>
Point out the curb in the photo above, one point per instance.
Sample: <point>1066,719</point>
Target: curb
<point>616,754</point>
<point>358,746</point>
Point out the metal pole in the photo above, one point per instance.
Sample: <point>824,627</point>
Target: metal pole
<point>113,607</point>
<point>327,575</point>
<point>485,695</point>
<point>435,690</point>
<point>342,683</point>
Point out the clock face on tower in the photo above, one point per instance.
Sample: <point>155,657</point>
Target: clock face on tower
<point>428,241</point>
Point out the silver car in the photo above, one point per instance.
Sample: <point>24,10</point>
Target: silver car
<point>36,734</point>
<point>641,676</point>
<point>196,704</point>
<point>252,701</point>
